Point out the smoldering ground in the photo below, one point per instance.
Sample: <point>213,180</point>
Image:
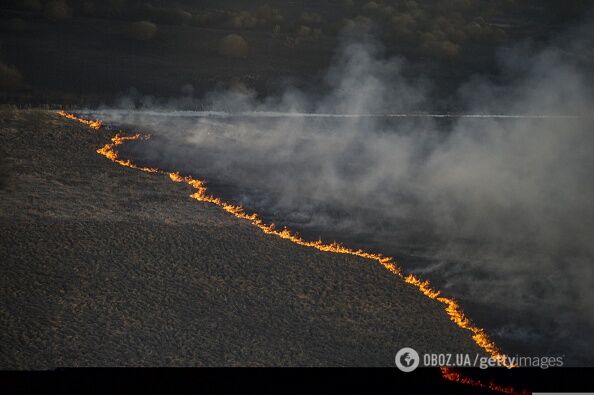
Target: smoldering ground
<point>498,212</point>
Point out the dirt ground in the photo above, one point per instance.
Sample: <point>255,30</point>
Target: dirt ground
<point>103,265</point>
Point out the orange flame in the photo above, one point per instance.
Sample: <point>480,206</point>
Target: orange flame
<point>109,151</point>
<point>93,124</point>
<point>451,307</point>
<point>452,375</point>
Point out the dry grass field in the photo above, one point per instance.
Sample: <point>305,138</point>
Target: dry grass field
<point>103,265</point>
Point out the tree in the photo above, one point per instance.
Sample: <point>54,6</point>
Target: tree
<point>142,30</point>
<point>233,46</point>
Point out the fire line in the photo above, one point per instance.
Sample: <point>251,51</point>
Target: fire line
<point>451,307</point>
<point>452,375</point>
<point>93,124</point>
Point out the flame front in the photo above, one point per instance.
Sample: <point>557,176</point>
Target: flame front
<point>451,307</point>
<point>454,376</point>
<point>92,123</point>
<point>109,151</point>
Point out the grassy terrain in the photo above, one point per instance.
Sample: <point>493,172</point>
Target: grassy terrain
<point>105,265</point>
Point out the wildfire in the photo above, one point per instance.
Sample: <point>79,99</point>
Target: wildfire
<point>451,307</point>
<point>93,124</point>
<point>452,375</point>
<point>109,151</point>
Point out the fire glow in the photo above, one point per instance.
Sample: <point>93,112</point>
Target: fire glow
<point>92,123</point>
<point>451,307</point>
<point>452,375</point>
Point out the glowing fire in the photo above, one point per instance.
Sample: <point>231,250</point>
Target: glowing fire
<point>451,307</point>
<point>109,151</point>
<point>452,375</point>
<point>93,124</point>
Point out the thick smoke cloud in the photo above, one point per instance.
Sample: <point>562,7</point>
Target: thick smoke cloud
<point>498,211</point>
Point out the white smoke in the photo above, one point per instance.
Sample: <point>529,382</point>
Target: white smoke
<point>498,210</point>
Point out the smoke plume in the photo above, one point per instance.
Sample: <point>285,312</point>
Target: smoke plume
<point>498,211</point>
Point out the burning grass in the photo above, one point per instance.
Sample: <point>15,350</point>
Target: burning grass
<point>93,124</point>
<point>451,307</point>
<point>457,377</point>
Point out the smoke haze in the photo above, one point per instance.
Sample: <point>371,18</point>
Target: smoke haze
<point>498,212</point>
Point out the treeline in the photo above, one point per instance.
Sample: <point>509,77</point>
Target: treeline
<point>430,28</point>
